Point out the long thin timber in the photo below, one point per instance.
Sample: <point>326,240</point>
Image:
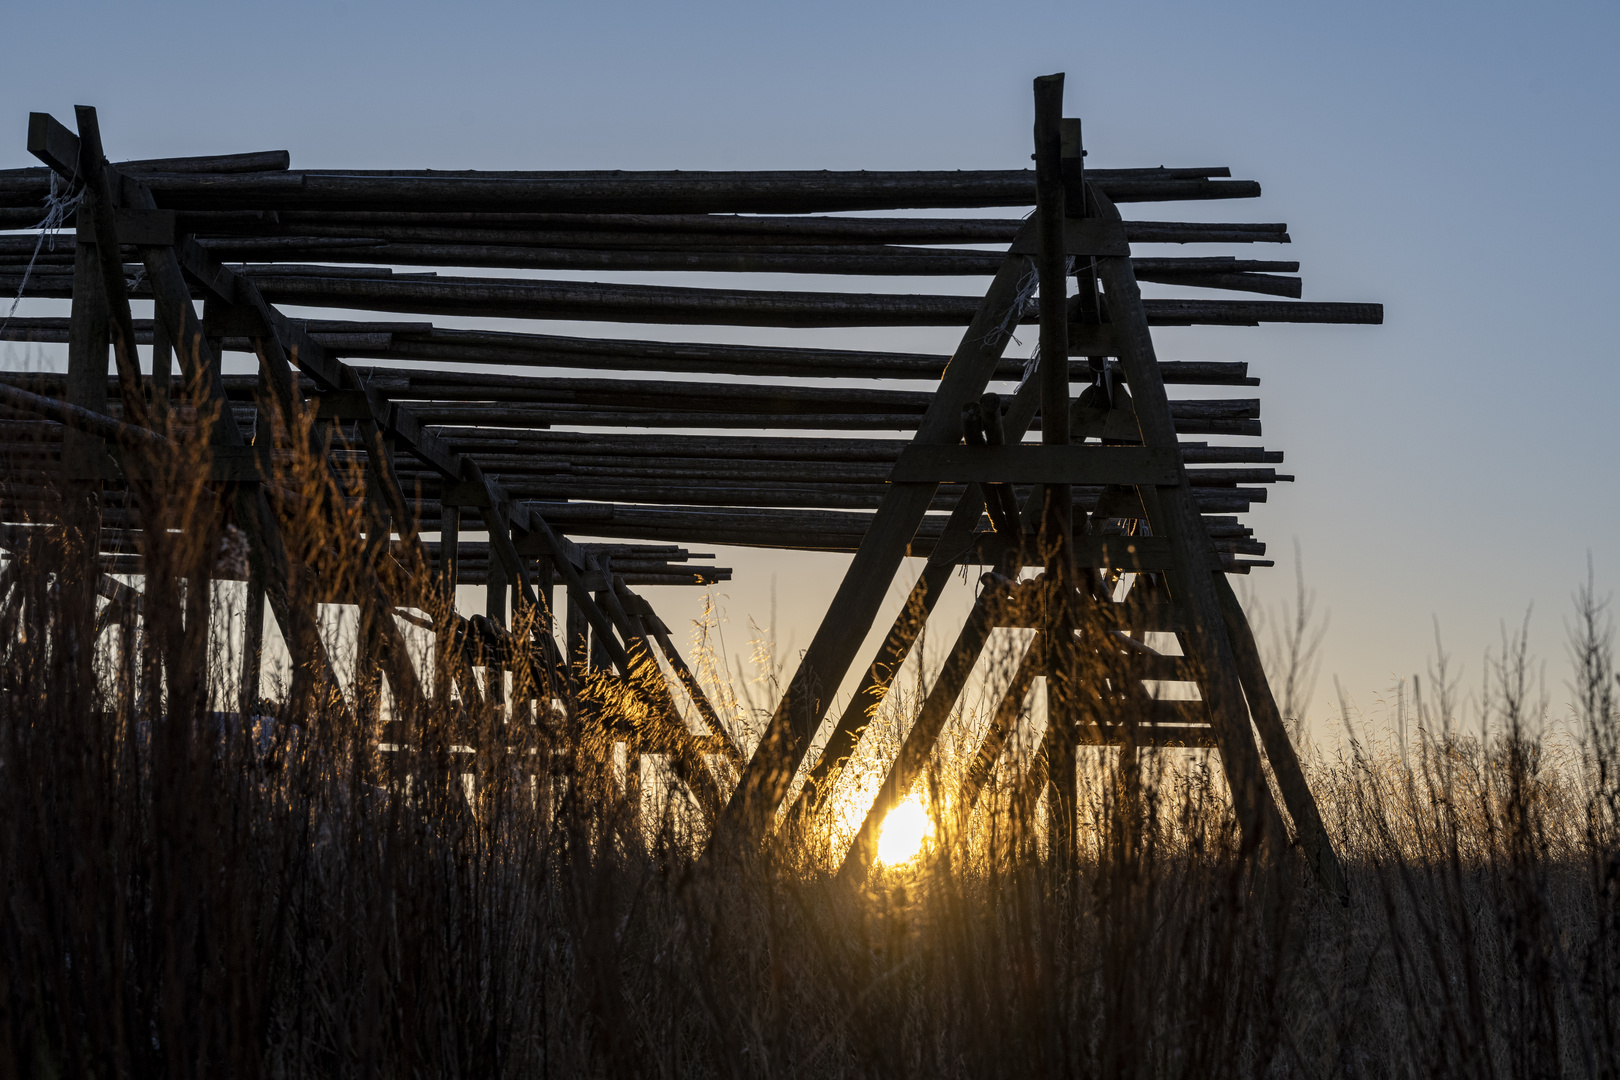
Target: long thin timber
<point>1308,828</point>
<point>1002,724</point>
<point>776,761</point>
<point>667,729</point>
<point>655,628</point>
<point>919,743</point>
<point>874,686</point>
<point>1056,539</point>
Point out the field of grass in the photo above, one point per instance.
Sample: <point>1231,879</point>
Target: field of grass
<point>190,894</point>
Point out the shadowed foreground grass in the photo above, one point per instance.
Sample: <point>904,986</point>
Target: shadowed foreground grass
<point>187,895</point>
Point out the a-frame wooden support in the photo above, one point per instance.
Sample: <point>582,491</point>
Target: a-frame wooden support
<point>72,156</point>
<point>236,308</point>
<point>1076,232</point>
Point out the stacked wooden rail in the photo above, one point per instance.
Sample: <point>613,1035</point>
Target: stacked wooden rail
<point>281,222</point>
<point>650,441</point>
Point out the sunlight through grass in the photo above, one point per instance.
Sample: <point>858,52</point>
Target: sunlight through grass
<point>905,831</point>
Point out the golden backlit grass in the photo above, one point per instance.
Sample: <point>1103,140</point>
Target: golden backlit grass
<point>192,893</point>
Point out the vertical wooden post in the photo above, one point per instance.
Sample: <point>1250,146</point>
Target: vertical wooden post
<point>1057,526</point>
<point>264,441</point>
<point>446,652</point>
<point>579,630</point>
<point>368,674</point>
<point>83,454</point>
<point>545,623</point>
<point>545,576</point>
<point>495,593</point>
<point>524,674</point>
<point>600,659</point>
<point>162,368</point>
<point>252,643</point>
<point>633,759</point>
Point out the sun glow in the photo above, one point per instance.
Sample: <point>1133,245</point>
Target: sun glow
<point>907,828</point>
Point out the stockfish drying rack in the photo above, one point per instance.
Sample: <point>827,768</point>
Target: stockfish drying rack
<point>590,480</point>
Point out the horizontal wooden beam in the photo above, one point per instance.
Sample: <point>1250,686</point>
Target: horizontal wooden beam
<point>683,192</point>
<point>518,298</point>
<point>260,161</point>
<point>1035,464</point>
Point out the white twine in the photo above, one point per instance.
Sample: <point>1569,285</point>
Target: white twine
<point>57,209</point>
<point>1031,364</point>
<point>1026,290</point>
<point>1034,360</point>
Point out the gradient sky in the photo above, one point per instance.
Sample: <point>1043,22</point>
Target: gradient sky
<point>1453,162</point>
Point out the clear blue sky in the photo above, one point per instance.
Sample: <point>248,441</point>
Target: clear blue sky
<point>1454,162</point>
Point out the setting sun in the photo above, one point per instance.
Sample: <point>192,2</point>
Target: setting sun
<point>905,831</point>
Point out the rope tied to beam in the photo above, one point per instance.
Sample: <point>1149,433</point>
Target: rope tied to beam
<point>1026,292</point>
<point>57,208</point>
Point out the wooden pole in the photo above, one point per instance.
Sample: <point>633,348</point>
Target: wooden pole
<point>252,646</point>
<point>658,193</point>
<point>263,448</point>
<point>1308,827</point>
<point>447,653</point>
<point>600,659</point>
<point>1002,725</point>
<point>578,636</point>
<point>496,589</point>
<point>82,452</point>
<point>1057,514</point>
<point>684,230</point>
<point>864,261</point>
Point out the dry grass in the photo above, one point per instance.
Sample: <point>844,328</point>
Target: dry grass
<point>188,894</point>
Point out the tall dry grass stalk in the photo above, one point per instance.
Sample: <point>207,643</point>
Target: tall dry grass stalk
<point>191,892</point>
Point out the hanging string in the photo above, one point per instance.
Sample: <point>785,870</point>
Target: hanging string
<point>1031,364</point>
<point>57,209</point>
<point>1026,291</point>
<point>1034,360</point>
